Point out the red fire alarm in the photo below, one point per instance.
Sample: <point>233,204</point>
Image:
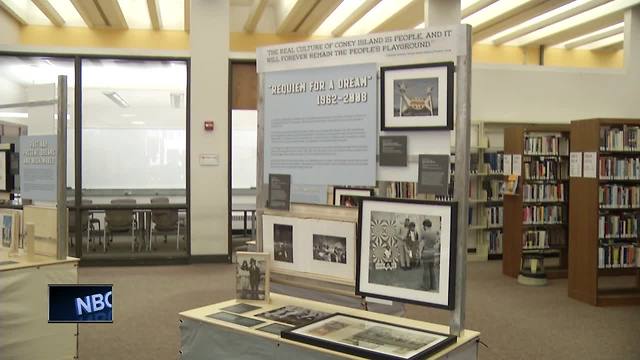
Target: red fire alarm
<point>208,125</point>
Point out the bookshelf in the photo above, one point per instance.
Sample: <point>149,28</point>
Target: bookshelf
<point>604,214</point>
<point>535,218</point>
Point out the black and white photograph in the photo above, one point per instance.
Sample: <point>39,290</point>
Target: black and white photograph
<point>417,97</point>
<point>348,197</point>
<point>369,338</point>
<point>235,319</point>
<point>405,250</point>
<point>275,329</point>
<point>240,308</point>
<point>330,248</point>
<point>252,276</point>
<point>293,315</point>
<point>283,243</point>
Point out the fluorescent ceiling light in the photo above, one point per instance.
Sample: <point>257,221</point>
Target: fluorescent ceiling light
<point>137,122</point>
<point>376,16</point>
<point>338,16</point>
<point>585,17</point>
<point>612,40</point>
<point>128,115</point>
<point>14,115</point>
<point>619,26</point>
<point>536,20</point>
<point>172,14</point>
<point>116,98</point>
<point>492,11</point>
<point>68,12</point>
<point>27,11</point>
<point>136,13</point>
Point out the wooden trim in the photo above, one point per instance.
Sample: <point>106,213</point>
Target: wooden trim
<point>49,11</point>
<point>17,18</point>
<point>113,14</point>
<point>354,17</point>
<point>255,14</point>
<point>154,14</point>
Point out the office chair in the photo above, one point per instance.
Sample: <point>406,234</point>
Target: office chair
<point>166,222</point>
<point>120,221</point>
<point>88,223</point>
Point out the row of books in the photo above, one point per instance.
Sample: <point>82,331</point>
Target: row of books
<point>546,169</point>
<point>618,226</point>
<point>542,239</point>
<point>494,162</point>
<point>493,188</point>
<point>623,138</point>
<point>494,215</point>
<point>543,192</point>
<point>614,256</point>
<point>494,238</point>
<point>397,189</point>
<point>546,145</point>
<point>619,168</point>
<point>548,214</point>
<point>614,196</point>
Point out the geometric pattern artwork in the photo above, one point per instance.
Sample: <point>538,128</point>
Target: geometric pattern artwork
<point>384,244</point>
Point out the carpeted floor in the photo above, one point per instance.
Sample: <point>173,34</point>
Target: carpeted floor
<point>516,322</point>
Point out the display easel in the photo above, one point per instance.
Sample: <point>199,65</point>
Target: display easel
<point>458,49</point>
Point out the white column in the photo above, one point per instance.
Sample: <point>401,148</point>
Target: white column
<point>632,41</point>
<point>209,101</point>
<point>441,12</point>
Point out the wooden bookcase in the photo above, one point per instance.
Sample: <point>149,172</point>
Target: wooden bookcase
<point>588,282</point>
<point>514,205</point>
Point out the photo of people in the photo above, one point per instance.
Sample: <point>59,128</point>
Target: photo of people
<point>330,248</point>
<point>293,315</point>
<point>251,276</point>
<point>348,201</point>
<point>7,223</point>
<point>405,250</point>
<point>348,196</point>
<point>415,97</point>
<point>283,243</point>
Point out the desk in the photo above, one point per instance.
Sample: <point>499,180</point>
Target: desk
<point>24,304</point>
<point>206,338</point>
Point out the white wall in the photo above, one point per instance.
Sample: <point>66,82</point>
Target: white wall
<point>9,30</point>
<point>209,88</point>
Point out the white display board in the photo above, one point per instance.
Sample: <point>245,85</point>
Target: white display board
<point>303,259</point>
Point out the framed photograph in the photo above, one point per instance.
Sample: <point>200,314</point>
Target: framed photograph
<point>406,251</point>
<point>252,276</point>
<point>283,243</point>
<point>274,328</point>
<point>240,308</point>
<point>235,319</point>
<point>348,197</point>
<point>369,338</point>
<point>417,97</point>
<point>293,315</point>
<point>9,227</point>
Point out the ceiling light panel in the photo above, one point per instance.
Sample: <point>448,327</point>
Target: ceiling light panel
<point>68,12</point>
<point>376,16</point>
<point>172,14</point>
<point>537,20</point>
<point>612,40</point>
<point>493,11</point>
<point>619,26</point>
<point>338,16</point>
<point>585,17</point>
<point>27,11</point>
<point>136,13</point>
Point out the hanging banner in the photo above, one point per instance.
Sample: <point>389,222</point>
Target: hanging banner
<point>411,45</point>
<point>320,125</point>
<point>38,167</point>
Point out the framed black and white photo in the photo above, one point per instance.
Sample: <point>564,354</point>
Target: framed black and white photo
<point>293,315</point>
<point>369,339</point>
<point>283,243</point>
<point>252,276</point>
<point>406,251</point>
<point>348,197</point>
<point>417,97</point>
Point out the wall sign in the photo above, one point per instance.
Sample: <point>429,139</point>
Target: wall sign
<point>433,174</point>
<point>575,164</point>
<point>279,191</point>
<point>38,172</point>
<point>393,151</point>
<point>590,165</point>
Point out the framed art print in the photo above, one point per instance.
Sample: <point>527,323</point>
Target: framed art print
<point>417,97</point>
<point>252,276</point>
<point>370,339</point>
<point>406,251</point>
<point>348,197</point>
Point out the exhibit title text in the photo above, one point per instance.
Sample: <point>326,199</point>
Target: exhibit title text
<point>40,152</point>
<point>322,86</point>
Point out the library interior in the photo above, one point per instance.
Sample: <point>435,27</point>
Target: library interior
<point>319,179</point>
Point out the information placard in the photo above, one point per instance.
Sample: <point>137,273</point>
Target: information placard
<point>575,164</point>
<point>516,165</point>
<point>320,125</point>
<point>506,164</point>
<point>38,162</point>
<point>590,163</point>
<point>393,151</point>
<point>279,191</point>
<point>433,174</point>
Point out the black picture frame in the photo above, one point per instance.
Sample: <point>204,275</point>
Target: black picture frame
<point>336,189</point>
<point>291,334</point>
<point>385,72</point>
<point>450,287</point>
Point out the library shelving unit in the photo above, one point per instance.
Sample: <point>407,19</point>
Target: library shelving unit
<point>535,217</point>
<point>604,214</point>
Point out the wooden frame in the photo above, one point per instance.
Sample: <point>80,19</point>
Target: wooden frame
<point>442,72</point>
<point>339,191</point>
<point>444,296</point>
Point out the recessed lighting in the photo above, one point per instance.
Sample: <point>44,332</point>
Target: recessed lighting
<point>137,122</point>
<point>116,98</point>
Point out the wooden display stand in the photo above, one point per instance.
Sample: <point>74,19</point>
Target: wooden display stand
<point>219,339</point>
<point>514,228</point>
<point>584,274</point>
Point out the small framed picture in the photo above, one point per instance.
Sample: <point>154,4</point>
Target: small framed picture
<point>370,339</point>
<point>417,97</point>
<point>252,276</point>
<point>406,251</point>
<point>348,197</point>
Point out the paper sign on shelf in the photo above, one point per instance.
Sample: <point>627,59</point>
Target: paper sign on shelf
<point>516,165</point>
<point>575,164</point>
<point>589,166</point>
<point>506,161</point>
